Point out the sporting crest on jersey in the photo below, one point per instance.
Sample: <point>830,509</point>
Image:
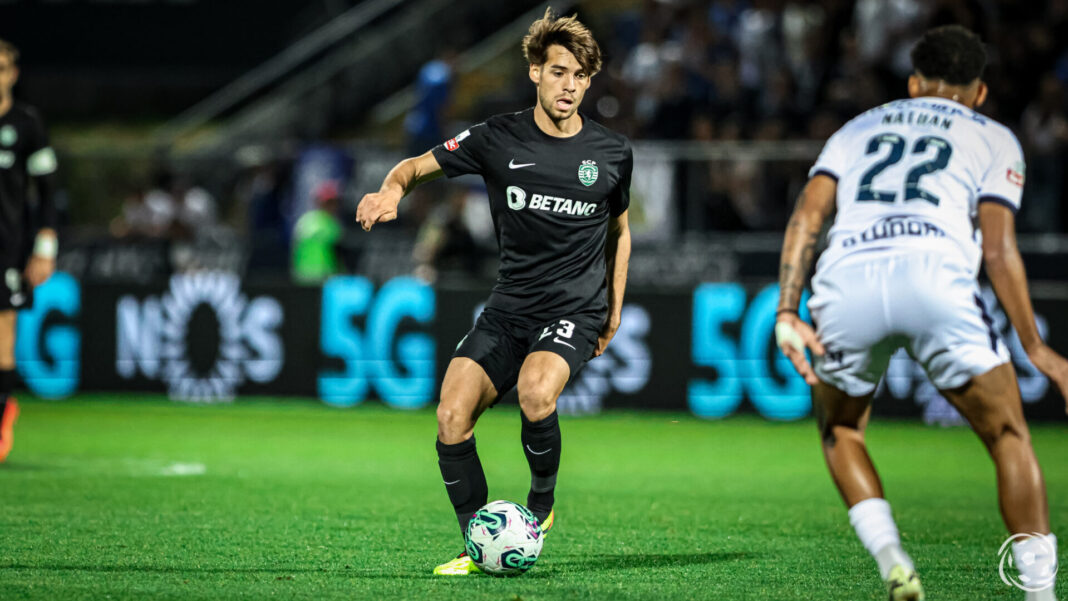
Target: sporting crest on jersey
<point>587,172</point>
<point>1015,174</point>
<point>8,135</point>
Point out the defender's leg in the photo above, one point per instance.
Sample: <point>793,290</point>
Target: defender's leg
<point>841,420</point>
<point>541,380</point>
<point>991,404</point>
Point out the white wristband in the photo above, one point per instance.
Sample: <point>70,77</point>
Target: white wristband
<point>786,335</point>
<point>46,247</point>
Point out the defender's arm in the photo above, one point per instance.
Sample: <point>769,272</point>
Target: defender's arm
<point>381,206</point>
<point>792,335</point>
<point>1005,268</point>
<point>617,259</point>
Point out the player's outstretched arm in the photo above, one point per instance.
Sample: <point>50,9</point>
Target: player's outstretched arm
<point>792,335</point>
<point>1005,268</point>
<point>381,206</point>
<point>617,259</point>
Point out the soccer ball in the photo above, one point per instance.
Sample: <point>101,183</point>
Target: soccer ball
<point>503,538</point>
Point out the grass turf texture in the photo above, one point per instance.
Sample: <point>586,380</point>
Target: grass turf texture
<point>105,498</point>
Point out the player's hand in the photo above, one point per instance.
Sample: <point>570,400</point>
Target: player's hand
<point>377,207</point>
<point>608,330</point>
<point>1054,366</point>
<point>38,270</point>
<point>793,336</point>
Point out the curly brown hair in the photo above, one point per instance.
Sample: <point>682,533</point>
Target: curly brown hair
<point>568,32</point>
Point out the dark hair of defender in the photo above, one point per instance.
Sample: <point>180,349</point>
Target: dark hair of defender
<point>950,53</point>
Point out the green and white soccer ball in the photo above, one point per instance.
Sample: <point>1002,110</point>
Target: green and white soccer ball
<point>503,538</point>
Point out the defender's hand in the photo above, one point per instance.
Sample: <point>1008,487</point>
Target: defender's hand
<point>1054,366</point>
<point>39,269</point>
<point>608,330</point>
<point>793,336</point>
<point>377,207</point>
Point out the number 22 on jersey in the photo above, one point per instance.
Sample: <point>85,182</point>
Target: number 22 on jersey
<point>897,145</point>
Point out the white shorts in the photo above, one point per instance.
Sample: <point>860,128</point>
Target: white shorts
<point>867,306</point>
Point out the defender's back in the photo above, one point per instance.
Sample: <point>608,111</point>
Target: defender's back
<point>911,174</point>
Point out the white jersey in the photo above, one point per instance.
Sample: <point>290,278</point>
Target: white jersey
<point>911,175</point>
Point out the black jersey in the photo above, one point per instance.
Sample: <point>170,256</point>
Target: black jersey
<point>24,153</point>
<point>550,199</point>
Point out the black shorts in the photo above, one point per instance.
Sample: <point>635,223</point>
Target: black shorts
<point>15,292</point>
<point>500,342</point>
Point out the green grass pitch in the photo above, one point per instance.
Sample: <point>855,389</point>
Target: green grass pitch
<point>133,497</point>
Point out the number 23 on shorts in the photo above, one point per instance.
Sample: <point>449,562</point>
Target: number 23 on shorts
<point>566,329</point>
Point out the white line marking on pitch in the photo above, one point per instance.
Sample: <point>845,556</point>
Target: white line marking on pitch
<point>184,469</point>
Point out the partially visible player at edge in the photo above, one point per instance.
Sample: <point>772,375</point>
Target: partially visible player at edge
<point>559,189</point>
<point>26,259</point>
<point>911,179</point>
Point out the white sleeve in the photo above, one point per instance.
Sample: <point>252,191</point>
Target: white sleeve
<point>1004,179</point>
<point>832,160</point>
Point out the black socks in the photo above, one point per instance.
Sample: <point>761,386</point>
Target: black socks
<point>541,445</point>
<point>7,384</point>
<point>464,479</point>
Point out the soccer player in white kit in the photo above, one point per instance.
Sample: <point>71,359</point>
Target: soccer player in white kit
<point>924,188</point>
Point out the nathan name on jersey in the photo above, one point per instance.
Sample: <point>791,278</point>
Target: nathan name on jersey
<point>550,199</point>
<point>917,118</point>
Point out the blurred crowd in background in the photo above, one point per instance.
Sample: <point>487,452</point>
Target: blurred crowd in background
<point>781,69</point>
<point>685,71</point>
<point>777,69</point>
<point>774,70</point>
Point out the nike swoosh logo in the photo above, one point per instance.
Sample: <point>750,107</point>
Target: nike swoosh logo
<point>512,164</point>
<point>451,483</point>
<point>563,343</point>
<point>533,452</point>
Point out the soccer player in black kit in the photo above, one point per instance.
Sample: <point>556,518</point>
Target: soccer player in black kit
<point>559,188</point>
<point>26,259</point>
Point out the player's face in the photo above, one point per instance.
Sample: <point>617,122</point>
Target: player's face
<point>561,82</point>
<point>9,74</point>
